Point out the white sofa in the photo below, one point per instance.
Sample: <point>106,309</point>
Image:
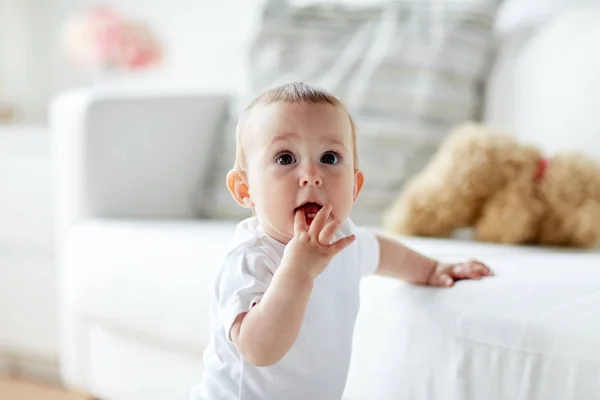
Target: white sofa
<point>136,267</point>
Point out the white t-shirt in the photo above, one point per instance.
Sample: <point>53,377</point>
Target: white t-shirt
<point>317,364</point>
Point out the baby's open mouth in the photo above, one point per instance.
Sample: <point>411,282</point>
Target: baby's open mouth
<point>310,211</point>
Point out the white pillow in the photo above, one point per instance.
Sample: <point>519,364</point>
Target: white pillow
<point>516,15</point>
<point>547,91</point>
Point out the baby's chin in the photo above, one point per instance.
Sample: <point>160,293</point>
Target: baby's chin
<point>281,234</point>
<point>281,237</point>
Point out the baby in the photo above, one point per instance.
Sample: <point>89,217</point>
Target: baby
<point>287,295</point>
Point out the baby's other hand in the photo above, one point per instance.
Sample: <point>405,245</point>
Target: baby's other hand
<point>446,274</point>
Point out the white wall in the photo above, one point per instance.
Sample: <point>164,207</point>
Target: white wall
<point>28,279</point>
<point>205,45</point>
<point>23,76</point>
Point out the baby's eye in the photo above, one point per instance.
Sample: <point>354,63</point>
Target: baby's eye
<point>285,159</point>
<point>330,158</point>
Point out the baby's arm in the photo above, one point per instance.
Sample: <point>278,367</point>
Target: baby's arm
<point>264,334</point>
<point>398,261</point>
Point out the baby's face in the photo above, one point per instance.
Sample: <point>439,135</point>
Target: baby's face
<point>299,155</point>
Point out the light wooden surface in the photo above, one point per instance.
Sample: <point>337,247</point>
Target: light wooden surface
<point>20,389</point>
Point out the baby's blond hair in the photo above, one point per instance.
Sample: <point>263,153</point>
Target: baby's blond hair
<point>295,92</point>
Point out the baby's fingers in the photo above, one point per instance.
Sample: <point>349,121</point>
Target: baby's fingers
<point>300,222</point>
<point>471,270</point>
<point>443,279</point>
<point>320,219</point>
<point>342,243</point>
<point>483,269</point>
<point>326,234</point>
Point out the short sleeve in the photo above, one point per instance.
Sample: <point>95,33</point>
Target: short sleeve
<point>241,283</point>
<point>367,248</point>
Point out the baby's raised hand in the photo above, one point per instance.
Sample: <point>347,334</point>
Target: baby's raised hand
<point>447,274</point>
<point>311,249</point>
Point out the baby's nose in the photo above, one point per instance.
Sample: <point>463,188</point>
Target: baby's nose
<point>311,177</point>
<point>311,181</point>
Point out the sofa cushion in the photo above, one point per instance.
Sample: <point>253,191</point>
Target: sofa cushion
<point>153,279</point>
<point>530,332</point>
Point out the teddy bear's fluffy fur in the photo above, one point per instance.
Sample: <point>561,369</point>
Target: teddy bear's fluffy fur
<point>486,180</point>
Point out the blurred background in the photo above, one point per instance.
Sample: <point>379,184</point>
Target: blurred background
<point>203,44</point>
<point>409,71</point>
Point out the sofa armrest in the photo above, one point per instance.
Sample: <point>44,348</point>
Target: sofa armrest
<point>131,155</point>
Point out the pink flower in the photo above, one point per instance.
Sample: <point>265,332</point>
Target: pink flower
<point>102,37</point>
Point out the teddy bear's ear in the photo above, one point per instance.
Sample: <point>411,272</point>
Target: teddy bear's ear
<point>469,125</point>
<point>470,128</point>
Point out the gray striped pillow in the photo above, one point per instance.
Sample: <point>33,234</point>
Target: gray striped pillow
<point>409,71</point>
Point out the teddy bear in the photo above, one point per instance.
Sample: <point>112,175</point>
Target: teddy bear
<point>506,191</point>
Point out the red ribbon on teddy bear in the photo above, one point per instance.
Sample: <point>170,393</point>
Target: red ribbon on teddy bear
<point>541,170</point>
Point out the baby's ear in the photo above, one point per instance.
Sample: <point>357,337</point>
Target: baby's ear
<point>359,179</point>
<point>237,183</point>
